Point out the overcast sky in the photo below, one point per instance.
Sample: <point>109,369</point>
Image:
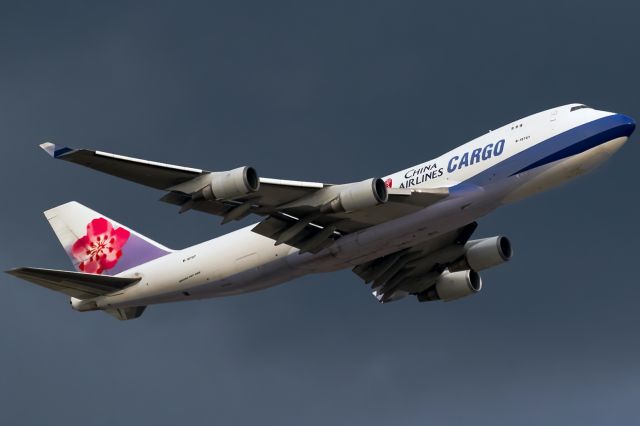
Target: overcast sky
<point>334,92</point>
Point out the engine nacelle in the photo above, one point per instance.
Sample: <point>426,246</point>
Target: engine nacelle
<point>83,305</point>
<point>231,184</point>
<point>484,254</point>
<point>453,285</point>
<point>358,196</point>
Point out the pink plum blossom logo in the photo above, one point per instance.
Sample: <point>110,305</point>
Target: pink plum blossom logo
<point>101,248</point>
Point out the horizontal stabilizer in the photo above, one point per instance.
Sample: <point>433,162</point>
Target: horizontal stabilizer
<point>75,284</point>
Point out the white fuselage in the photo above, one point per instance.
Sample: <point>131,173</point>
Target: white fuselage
<point>504,165</point>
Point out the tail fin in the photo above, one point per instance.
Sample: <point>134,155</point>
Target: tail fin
<point>98,245</point>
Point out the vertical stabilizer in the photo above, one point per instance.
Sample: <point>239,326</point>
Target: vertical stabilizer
<point>98,245</point>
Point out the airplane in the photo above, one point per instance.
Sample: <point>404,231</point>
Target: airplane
<point>405,234</point>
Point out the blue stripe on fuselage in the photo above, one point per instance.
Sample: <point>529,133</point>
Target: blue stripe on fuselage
<point>563,145</point>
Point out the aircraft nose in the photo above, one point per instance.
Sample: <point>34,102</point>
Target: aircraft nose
<point>628,124</point>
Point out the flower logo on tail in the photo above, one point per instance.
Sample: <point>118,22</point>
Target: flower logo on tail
<point>101,248</point>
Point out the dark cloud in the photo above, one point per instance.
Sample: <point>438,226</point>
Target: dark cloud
<point>329,91</point>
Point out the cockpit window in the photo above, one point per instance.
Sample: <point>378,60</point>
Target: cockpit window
<point>578,107</point>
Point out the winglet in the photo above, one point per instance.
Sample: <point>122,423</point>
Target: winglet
<point>50,148</point>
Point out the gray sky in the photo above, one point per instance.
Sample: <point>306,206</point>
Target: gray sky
<point>327,91</point>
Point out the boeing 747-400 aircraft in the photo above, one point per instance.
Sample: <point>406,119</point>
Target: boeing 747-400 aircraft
<point>403,234</point>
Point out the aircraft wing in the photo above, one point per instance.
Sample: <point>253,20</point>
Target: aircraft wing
<point>307,215</point>
<point>75,284</point>
<point>415,269</point>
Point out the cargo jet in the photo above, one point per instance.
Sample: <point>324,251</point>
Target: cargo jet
<point>405,234</point>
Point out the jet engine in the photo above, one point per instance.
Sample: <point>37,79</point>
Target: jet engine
<point>231,184</point>
<point>83,305</point>
<point>483,254</point>
<point>453,285</point>
<point>358,196</point>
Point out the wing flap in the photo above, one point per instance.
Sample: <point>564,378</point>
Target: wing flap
<point>421,197</point>
<point>74,284</point>
<point>308,237</point>
<point>401,202</point>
